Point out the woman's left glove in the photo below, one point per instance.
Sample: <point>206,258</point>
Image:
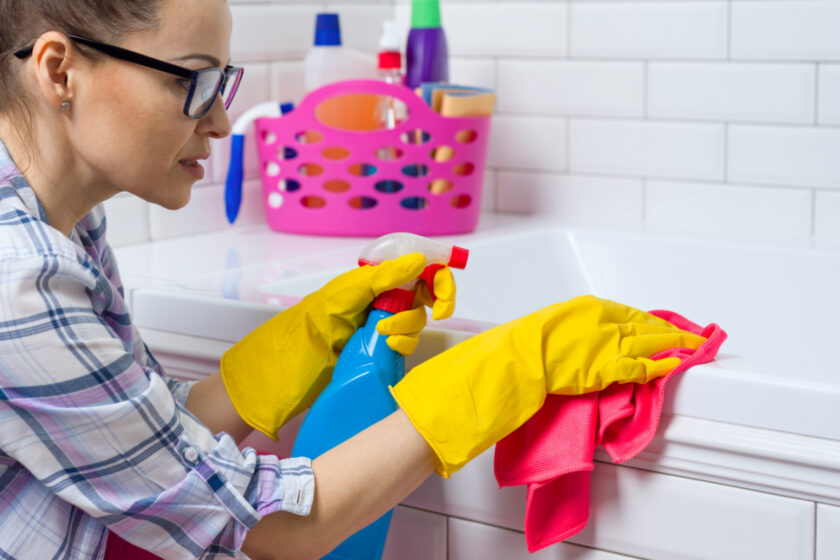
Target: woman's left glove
<point>277,370</point>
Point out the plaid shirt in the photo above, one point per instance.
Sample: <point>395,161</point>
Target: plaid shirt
<point>94,436</point>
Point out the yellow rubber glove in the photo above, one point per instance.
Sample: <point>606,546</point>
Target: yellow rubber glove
<point>277,370</point>
<point>467,398</point>
<point>404,328</point>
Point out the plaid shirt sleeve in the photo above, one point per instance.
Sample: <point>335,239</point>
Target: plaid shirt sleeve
<point>103,431</point>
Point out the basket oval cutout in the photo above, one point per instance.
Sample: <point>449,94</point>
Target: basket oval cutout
<point>337,186</point>
<point>313,202</point>
<point>414,203</point>
<point>362,169</point>
<point>388,186</point>
<point>362,202</point>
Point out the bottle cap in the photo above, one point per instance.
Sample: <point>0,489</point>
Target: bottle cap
<point>327,30</point>
<point>395,300</point>
<point>425,14</point>
<point>390,60</point>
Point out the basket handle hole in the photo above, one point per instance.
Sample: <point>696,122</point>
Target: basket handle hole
<point>361,112</point>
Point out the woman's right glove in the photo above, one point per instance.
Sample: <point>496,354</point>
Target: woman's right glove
<point>465,399</point>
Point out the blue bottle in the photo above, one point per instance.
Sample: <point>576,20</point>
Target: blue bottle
<point>357,396</point>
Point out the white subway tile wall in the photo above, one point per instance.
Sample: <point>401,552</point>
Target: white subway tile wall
<point>717,117</point>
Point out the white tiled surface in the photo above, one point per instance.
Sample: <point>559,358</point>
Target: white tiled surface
<point>572,87</point>
<point>480,72</point>
<point>572,199</point>
<point>788,30</point>
<point>647,148</point>
<point>531,29</point>
<point>416,535</point>
<point>642,514</point>
<point>827,219</point>
<point>828,532</point>
<point>608,111</point>
<point>540,143</point>
<point>649,29</point>
<point>773,155</point>
<point>716,522</point>
<point>829,94</point>
<point>471,541</point>
<point>727,210</point>
<point>732,91</point>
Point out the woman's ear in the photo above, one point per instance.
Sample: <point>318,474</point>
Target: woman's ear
<point>55,59</point>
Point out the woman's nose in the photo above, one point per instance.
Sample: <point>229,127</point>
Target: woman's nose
<point>216,122</point>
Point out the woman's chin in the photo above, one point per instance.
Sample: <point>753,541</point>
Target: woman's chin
<point>172,202</point>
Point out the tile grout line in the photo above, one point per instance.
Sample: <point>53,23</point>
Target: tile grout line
<point>817,71</point>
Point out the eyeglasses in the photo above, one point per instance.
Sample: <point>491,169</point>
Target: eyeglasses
<point>205,85</point>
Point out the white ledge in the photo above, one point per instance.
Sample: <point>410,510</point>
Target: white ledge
<point>771,461</point>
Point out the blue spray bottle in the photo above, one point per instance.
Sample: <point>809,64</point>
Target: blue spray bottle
<point>357,396</point>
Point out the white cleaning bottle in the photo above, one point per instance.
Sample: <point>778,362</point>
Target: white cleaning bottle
<point>390,112</point>
<point>329,61</point>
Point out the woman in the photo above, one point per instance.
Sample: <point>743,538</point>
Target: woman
<point>99,97</point>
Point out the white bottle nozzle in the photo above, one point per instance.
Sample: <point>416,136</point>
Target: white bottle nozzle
<point>390,40</point>
<point>395,245</point>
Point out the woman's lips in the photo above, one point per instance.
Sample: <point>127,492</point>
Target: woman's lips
<point>193,167</point>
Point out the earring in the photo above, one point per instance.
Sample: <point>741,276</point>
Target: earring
<point>65,105</point>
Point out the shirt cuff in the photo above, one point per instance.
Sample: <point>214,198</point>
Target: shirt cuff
<point>285,485</point>
<point>179,389</point>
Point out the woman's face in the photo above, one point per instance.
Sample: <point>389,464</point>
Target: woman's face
<point>128,123</point>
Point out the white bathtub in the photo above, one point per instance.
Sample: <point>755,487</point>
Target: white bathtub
<point>780,307</point>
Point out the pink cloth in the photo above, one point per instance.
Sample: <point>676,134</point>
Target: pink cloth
<point>552,452</point>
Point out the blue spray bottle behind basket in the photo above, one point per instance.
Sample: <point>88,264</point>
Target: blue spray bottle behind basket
<point>358,396</point>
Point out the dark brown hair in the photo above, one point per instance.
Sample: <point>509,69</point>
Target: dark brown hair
<point>23,21</point>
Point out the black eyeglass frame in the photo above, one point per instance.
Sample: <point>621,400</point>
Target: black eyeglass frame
<point>227,72</point>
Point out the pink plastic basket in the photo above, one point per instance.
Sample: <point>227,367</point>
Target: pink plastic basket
<point>338,184</point>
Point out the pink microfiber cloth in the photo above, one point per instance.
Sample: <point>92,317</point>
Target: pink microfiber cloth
<point>552,452</point>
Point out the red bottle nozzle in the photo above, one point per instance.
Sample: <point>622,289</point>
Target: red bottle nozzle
<point>395,245</point>
<point>458,258</point>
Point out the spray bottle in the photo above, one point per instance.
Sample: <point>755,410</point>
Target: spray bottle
<point>357,396</point>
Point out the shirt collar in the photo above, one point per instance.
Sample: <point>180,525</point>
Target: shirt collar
<point>11,178</point>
